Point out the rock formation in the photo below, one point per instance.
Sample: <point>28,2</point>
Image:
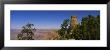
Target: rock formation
<point>73,22</point>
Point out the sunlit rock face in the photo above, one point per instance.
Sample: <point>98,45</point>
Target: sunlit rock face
<point>73,22</point>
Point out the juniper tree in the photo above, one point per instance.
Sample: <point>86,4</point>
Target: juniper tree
<point>88,29</point>
<point>26,32</point>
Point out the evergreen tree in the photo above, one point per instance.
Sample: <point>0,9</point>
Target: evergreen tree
<point>89,29</point>
<point>64,29</point>
<point>27,32</point>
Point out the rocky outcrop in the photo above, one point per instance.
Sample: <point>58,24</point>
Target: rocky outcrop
<point>73,22</point>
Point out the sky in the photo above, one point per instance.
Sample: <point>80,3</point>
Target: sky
<point>46,19</point>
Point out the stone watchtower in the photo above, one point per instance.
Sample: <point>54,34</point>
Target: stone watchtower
<point>73,22</point>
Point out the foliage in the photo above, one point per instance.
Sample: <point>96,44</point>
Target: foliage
<point>91,28</point>
<point>88,29</point>
<point>27,32</point>
<point>63,32</point>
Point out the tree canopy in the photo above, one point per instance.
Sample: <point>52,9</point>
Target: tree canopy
<point>88,29</point>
